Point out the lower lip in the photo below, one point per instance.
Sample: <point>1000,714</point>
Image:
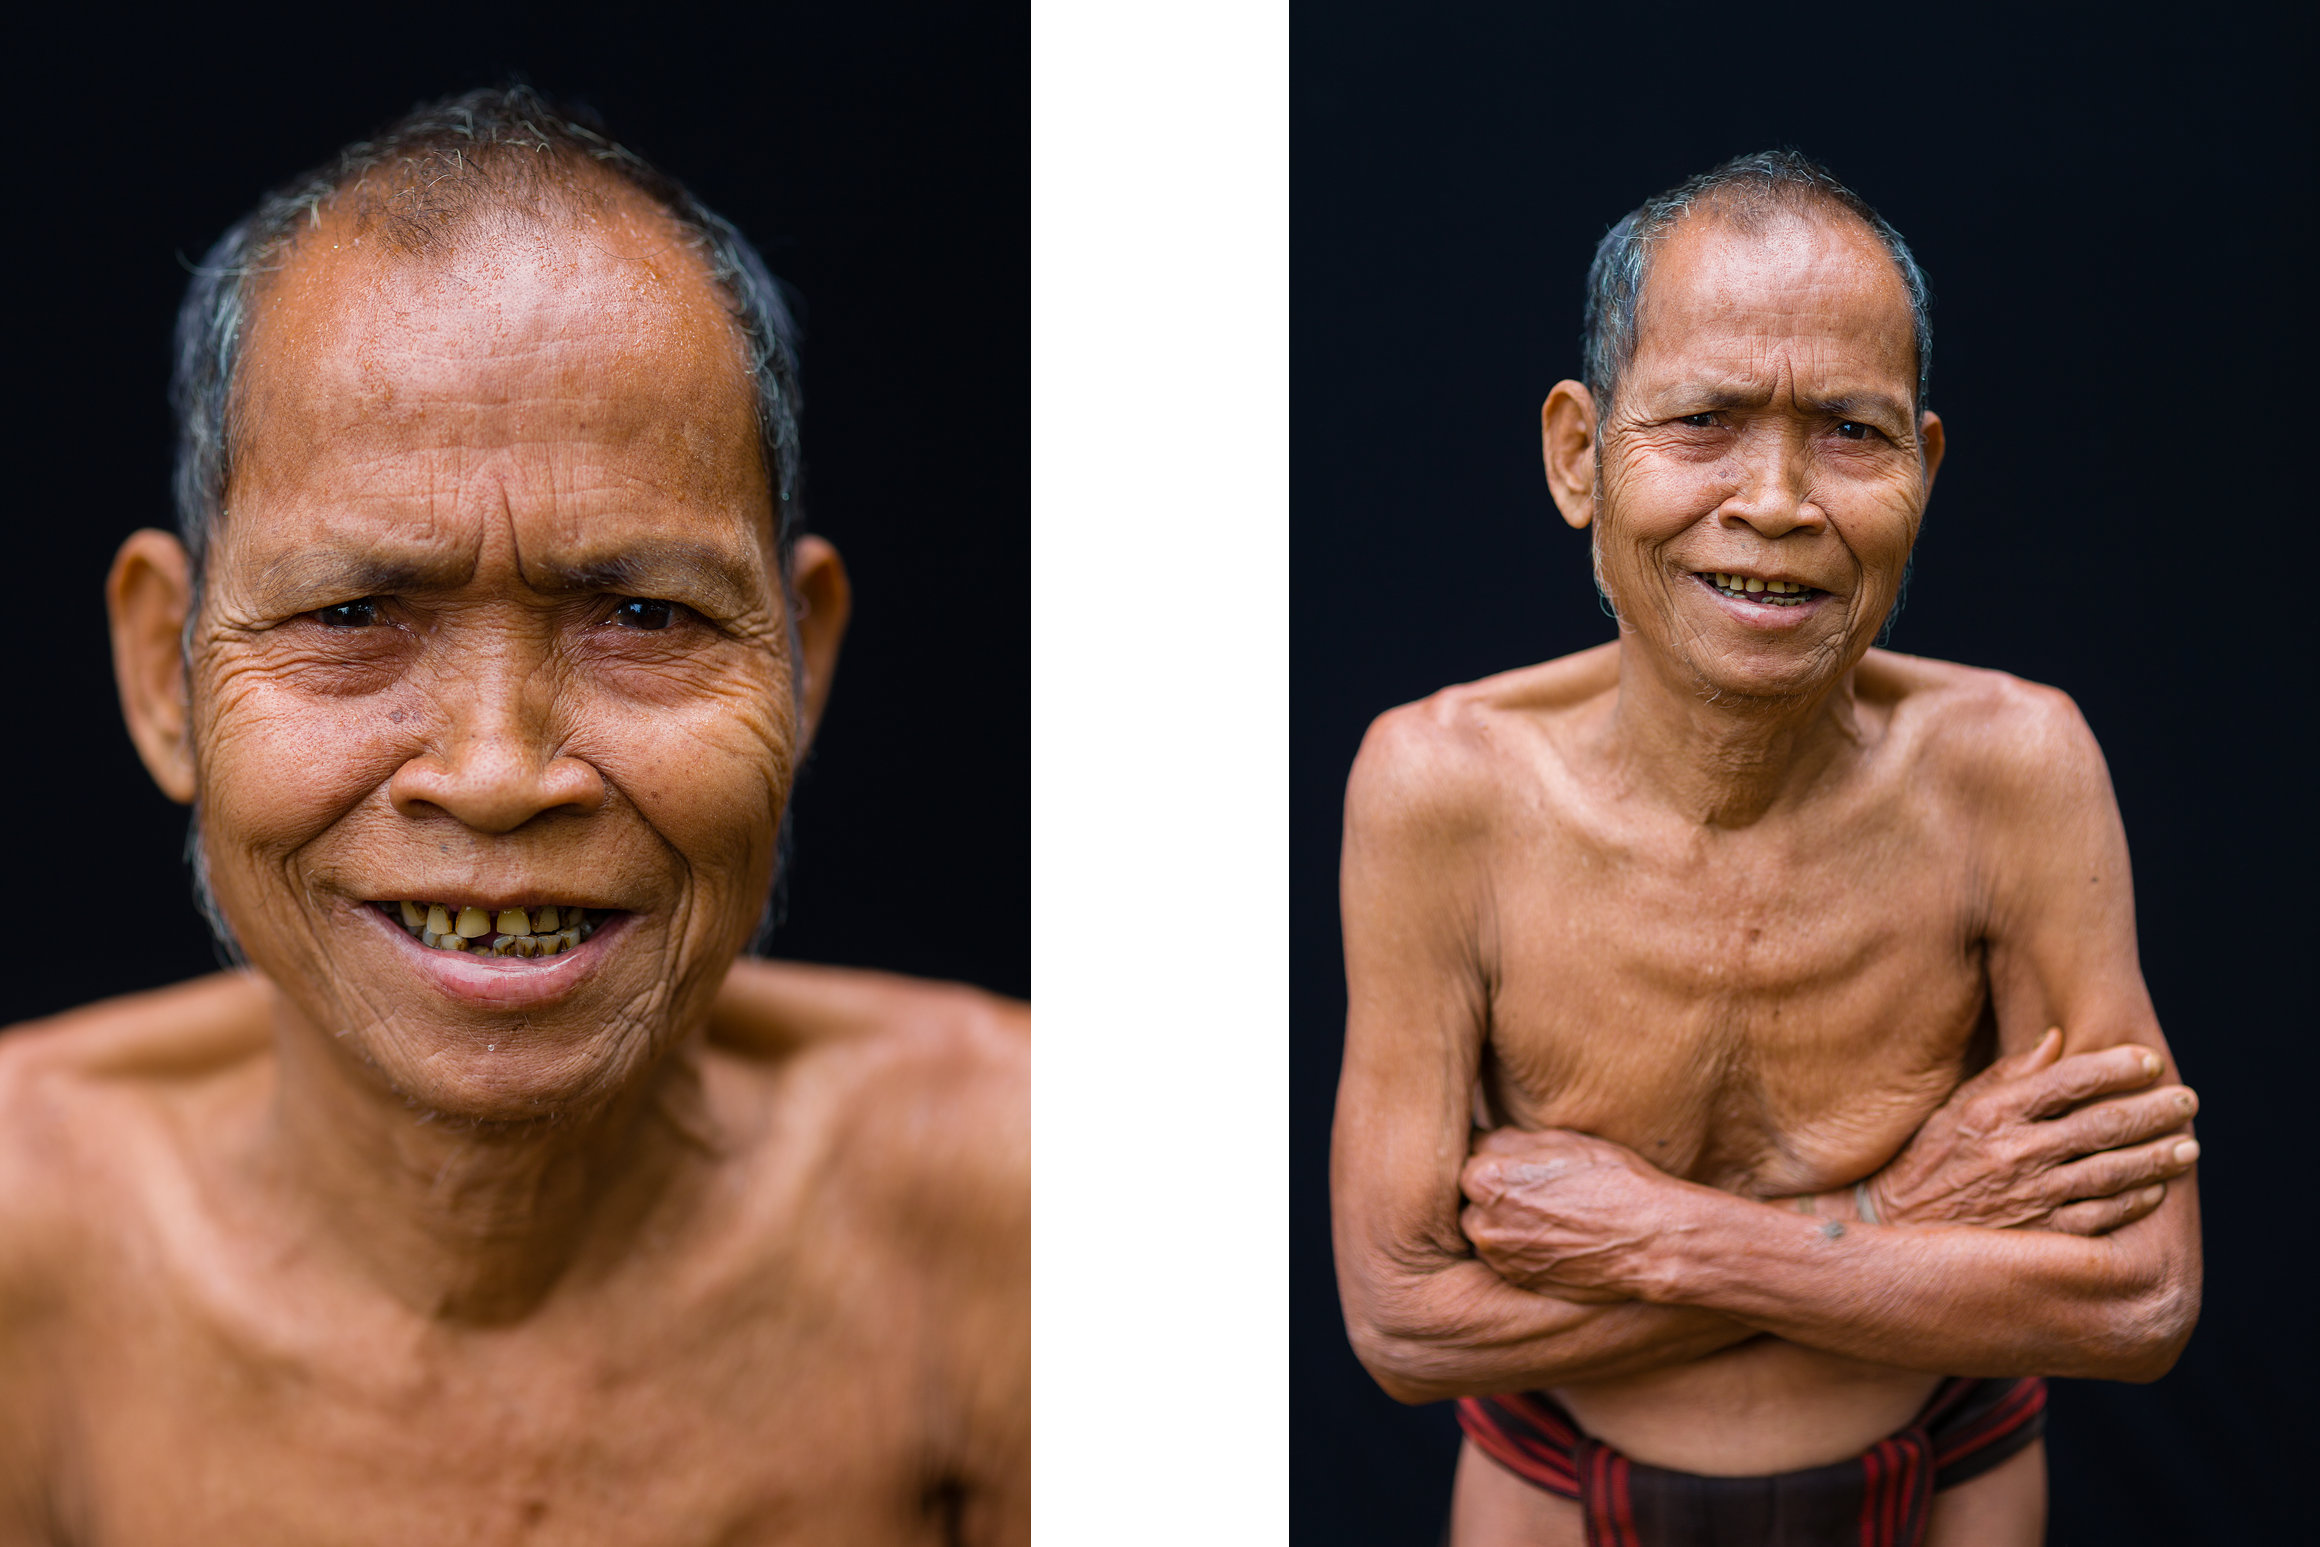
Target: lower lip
<point>1765,615</point>
<point>503,982</point>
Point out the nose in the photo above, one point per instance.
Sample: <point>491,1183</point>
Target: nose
<point>494,768</point>
<point>1774,496</point>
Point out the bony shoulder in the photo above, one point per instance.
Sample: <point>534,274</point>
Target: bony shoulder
<point>920,1091</point>
<point>183,1029</point>
<point>1431,768</point>
<point>1455,753</point>
<point>1983,723</point>
<point>777,1008</point>
<point>74,1086</point>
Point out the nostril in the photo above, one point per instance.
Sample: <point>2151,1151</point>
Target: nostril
<point>495,791</point>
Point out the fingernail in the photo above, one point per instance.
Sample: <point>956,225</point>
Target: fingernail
<point>2153,1194</point>
<point>2151,1063</point>
<point>2187,1151</point>
<point>2184,1101</point>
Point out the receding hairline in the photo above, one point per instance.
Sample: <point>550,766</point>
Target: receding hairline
<point>478,225</point>
<point>1753,213</point>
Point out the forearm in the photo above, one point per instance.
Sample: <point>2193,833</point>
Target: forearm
<point>1461,1330</point>
<point>1951,1299</point>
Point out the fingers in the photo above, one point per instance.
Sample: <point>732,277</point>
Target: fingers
<point>2086,1076</point>
<point>2118,1122</point>
<point>2125,1170</point>
<point>2100,1216</point>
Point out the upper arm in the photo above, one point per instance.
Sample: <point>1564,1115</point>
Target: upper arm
<point>2062,948</point>
<point>1415,902</point>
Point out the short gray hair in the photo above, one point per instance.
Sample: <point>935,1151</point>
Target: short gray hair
<point>503,148</point>
<point>1744,189</point>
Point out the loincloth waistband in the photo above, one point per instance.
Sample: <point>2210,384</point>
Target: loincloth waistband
<point>1880,1498</point>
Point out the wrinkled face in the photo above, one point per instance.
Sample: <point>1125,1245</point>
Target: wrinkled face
<point>494,632</point>
<point>1762,468</point>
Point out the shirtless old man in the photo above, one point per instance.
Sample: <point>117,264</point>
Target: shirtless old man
<point>496,1201</point>
<point>1796,980</point>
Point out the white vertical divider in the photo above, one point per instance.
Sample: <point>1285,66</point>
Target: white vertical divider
<point>1160,771</point>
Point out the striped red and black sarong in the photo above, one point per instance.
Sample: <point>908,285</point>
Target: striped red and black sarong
<point>1880,1498</point>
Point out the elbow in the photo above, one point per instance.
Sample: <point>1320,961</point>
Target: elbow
<point>2146,1333</point>
<point>1407,1362</point>
<point>1413,1337</point>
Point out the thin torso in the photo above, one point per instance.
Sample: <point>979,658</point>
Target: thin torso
<point>1769,1009</point>
<point>791,1360</point>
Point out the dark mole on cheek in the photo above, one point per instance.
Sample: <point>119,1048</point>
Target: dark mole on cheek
<point>1833,1229</point>
<point>395,718</point>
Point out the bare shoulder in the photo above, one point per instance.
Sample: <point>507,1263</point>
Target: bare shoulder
<point>1442,767</point>
<point>71,1080</point>
<point>926,1084</point>
<point>1999,739</point>
<point>79,1094</point>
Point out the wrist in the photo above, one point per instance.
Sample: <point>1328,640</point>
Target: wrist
<point>1679,1260</point>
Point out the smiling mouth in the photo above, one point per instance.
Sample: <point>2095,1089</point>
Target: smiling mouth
<point>548,929</point>
<point>1764,593</point>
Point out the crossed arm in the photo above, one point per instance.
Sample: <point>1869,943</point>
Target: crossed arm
<point>2022,1234</point>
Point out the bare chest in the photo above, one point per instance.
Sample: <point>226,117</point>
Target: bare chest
<point>801,1401</point>
<point>1766,1011</point>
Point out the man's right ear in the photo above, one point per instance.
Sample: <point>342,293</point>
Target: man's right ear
<point>1567,443</point>
<point>147,595</point>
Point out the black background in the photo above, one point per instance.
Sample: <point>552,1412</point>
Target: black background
<point>878,156</point>
<point>2118,229</point>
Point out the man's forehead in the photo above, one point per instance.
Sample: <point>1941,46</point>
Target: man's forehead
<point>1819,285</point>
<point>567,370</point>
<point>538,305</point>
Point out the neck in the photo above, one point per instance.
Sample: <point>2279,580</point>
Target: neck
<point>1720,759</point>
<point>475,1222</point>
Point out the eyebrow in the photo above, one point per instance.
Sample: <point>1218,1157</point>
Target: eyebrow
<point>1843,405</point>
<point>723,579</point>
<point>711,575</point>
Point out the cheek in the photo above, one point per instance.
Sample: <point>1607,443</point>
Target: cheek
<point>276,767</point>
<point>710,772</point>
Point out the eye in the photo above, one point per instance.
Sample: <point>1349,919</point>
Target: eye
<point>1853,429</point>
<point>645,612</point>
<point>360,613</point>
<point>1700,421</point>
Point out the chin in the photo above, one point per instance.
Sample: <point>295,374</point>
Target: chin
<point>1788,677</point>
<point>521,1074</point>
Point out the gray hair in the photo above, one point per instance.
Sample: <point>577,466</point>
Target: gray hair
<point>504,149</point>
<point>1744,189</point>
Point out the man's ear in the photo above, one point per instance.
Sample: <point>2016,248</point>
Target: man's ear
<point>1929,435</point>
<point>825,600</point>
<point>146,595</point>
<point>1567,443</point>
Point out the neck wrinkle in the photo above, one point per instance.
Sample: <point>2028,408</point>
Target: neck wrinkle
<point>477,1223</point>
<point>1719,760</point>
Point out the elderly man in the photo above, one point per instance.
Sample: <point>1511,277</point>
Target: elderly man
<point>1798,979</point>
<point>496,1200</point>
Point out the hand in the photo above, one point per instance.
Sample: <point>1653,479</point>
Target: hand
<point>2081,1145</point>
<point>1562,1213</point>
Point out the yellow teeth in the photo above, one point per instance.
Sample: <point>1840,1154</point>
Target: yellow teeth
<point>1788,593</point>
<point>525,933</point>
